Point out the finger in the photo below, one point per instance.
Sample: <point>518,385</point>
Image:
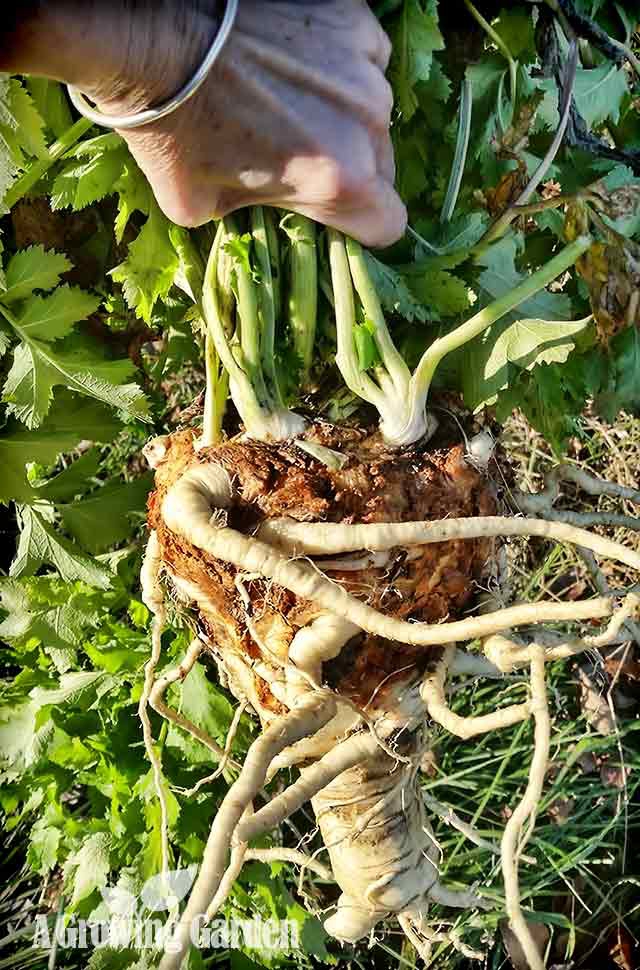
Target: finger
<point>379,219</point>
<point>385,158</point>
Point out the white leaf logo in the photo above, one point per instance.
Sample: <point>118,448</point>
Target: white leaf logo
<point>165,891</point>
<point>120,902</point>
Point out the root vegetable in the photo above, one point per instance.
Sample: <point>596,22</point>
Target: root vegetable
<point>331,573</point>
<point>341,650</point>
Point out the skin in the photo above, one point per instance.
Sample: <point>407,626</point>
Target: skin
<point>295,113</point>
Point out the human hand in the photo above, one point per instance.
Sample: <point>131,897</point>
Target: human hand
<point>295,113</point>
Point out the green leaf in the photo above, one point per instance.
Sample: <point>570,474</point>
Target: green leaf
<point>101,520</point>
<point>134,195</point>
<point>443,293</point>
<point>98,164</point>
<point>69,421</point>
<point>393,291</point>
<point>33,269</point>
<point>40,544</point>
<point>88,868</point>
<point>61,625</point>
<point>51,317</point>
<point>38,368</point>
<point>499,275</point>
<point>51,102</point>
<point>415,38</point>
<point>515,27</point>
<point>622,391</point>
<point>520,346</point>
<point>598,93</point>
<point>26,120</point>
<point>76,479</point>
<point>204,704</point>
<point>148,272</point>
<point>44,842</point>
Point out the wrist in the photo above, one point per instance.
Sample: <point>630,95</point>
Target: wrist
<point>123,56</point>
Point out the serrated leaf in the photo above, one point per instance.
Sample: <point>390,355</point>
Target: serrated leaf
<point>32,269</point>
<point>39,544</point>
<point>26,120</point>
<point>148,272</point>
<point>51,102</point>
<point>58,626</point>
<point>415,38</point>
<point>134,195</point>
<point>98,164</point>
<point>51,317</point>
<point>521,345</point>
<point>100,520</point>
<point>38,368</point>
<point>44,842</point>
<point>444,294</point>
<point>393,291</point>
<point>89,866</point>
<point>598,94</point>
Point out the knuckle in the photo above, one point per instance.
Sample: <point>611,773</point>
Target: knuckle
<point>384,49</point>
<point>350,182</point>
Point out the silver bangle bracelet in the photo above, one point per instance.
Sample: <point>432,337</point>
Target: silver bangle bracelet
<point>147,115</point>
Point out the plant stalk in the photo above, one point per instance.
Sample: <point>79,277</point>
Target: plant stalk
<point>39,168</point>
<point>303,289</point>
<point>491,313</point>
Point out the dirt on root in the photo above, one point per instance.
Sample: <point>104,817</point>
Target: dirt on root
<point>375,484</point>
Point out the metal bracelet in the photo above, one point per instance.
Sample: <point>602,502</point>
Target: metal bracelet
<point>148,115</point>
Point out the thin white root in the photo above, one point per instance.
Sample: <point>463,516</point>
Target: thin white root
<point>311,714</point>
<point>324,538</point>
<point>313,779</point>
<point>433,695</point>
<point>293,856</point>
<point>188,508</point>
<point>153,598</point>
<point>508,655</point>
<point>590,484</point>
<point>156,700</point>
<point>526,811</point>
<point>226,759</point>
<point>632,627</point>
<point>447,814</point>
<point>456,898</point>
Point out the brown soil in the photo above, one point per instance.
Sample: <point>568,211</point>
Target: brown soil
<point>375,485</point>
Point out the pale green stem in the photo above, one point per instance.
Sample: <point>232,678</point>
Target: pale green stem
<point>250,337</point>
<point>267,311</point>
<point>460,156</point>
<point>303,288</point>
<point>392,360</point>
<point>347,359</point>
<point>493,34</point>
<point>422,378</point>
<point>217,384</point>
<point>273,243</point>
<point>245,396</point>
<point>36,171</point>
